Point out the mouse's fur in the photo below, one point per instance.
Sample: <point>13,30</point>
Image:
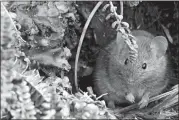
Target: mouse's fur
<point>127,82</point>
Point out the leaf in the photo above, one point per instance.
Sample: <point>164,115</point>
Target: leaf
<point>54,23</point>
<point>33,79</point>
<point>63,7</point>
<point>42,10</point>
<point>52,11</point>
<point>24,19</point>
<point>133,3</point>
<point>55,57</point>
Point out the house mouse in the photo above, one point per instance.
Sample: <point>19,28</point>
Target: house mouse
<point>135,82</point>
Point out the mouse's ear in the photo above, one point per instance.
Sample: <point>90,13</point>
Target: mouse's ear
<point>159,45</point>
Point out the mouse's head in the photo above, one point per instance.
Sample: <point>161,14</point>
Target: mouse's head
<point>150,63</point>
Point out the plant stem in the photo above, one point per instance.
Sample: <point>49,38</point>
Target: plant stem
<point>81,40</point>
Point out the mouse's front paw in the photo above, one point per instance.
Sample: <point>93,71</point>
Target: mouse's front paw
<point>130,98</point>
<point>144,102</point>
<point>111,104</point>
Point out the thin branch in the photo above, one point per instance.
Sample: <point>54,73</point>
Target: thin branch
<point>133,106</point>
<point>101,96</point>
<point>12,22</point>
<point>121,7</point>
<point>9,16</point>
<point>82,37</point>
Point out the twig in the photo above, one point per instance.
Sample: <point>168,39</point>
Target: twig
<point>81,39</point>
<point>167,33</point>
<point>25,68</point>
<point>167,100</point>
<point>175,90</point>
<point>15,60</point>
<point>12,22</point>
<point>101,96</point>
<point>121,7</point>
<point>146,116</point>
<point>157,19</point>
<point>9,16</point>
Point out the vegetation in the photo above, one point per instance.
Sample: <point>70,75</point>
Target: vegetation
<point>39,41</point>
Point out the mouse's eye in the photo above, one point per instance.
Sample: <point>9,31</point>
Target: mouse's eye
<point>126,61</point>
<point>144,65</point>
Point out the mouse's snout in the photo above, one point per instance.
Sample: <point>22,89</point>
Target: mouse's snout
<point>130,80</point>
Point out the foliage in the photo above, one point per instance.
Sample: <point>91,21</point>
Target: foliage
<point>38,40</point>
<point>27,95</point>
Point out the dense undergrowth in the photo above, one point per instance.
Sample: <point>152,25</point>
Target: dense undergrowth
<point>38,48</point>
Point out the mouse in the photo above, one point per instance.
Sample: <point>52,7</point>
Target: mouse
<point>132,82</point>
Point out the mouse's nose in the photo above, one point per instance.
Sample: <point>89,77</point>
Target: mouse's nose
<point>130,80</point>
